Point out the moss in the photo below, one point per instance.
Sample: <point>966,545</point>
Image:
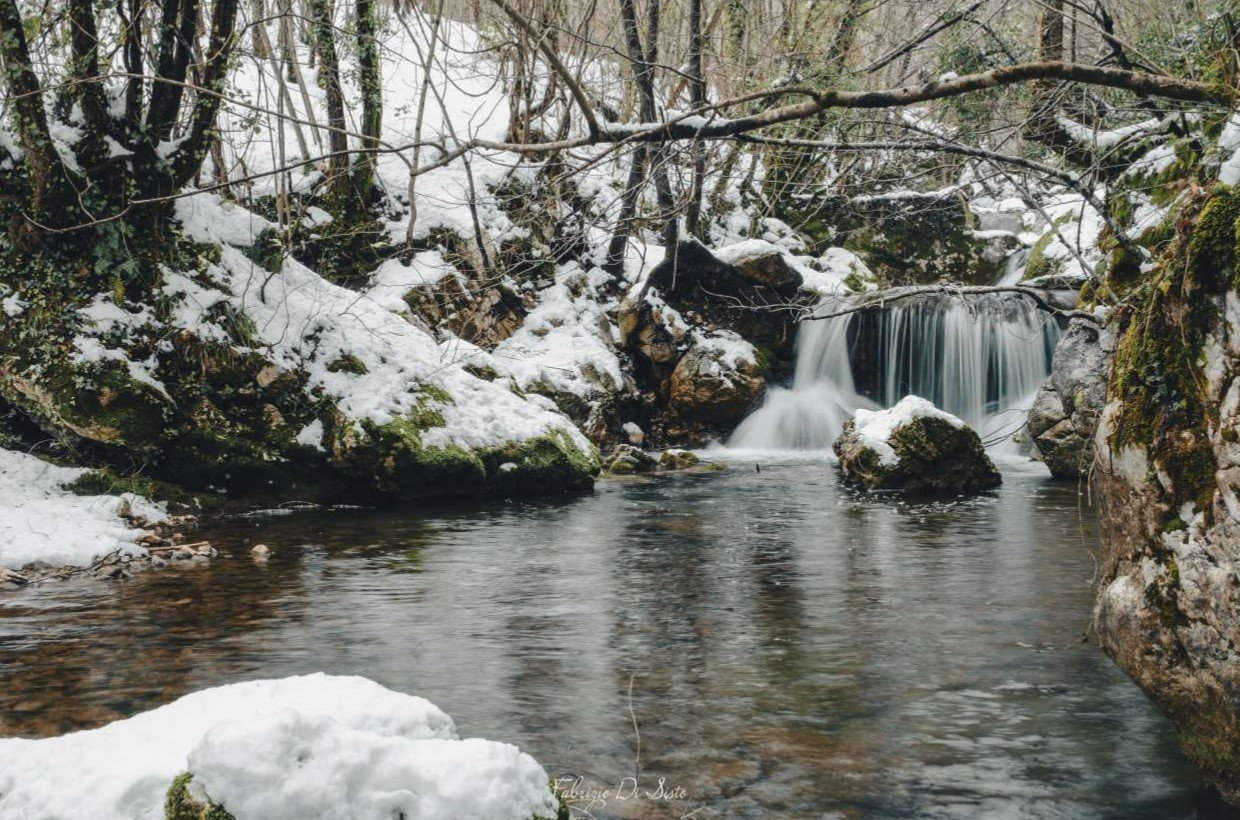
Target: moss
<point>1038,263</point>
<point>550,463</point>
<point>484,372</point>
<point>105,481</point>
<point>348,363</point>
<point>854,282</point>
<point>1157,376</point>
<point>179,804</point>
<point>267,251</point>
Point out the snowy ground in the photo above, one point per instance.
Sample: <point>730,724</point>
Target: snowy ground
<point>41,521</point>
<point>299,748</point>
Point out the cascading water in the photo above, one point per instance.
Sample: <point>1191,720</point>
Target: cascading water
<point>982,361</point>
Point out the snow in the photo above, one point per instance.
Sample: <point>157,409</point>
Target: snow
<point>393,279</point>
<point>13,305</point>
<point>875,427</point>
<point>565,344</point>
<point>727,348</point>
<point>311,435</point>
<point>306,323</point>
<point>42,521</point>
<point>1229,145</point>
<point>299,748</point>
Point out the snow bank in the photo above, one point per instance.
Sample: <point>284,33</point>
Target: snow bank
<point>875,427</point>
<point>41,521</point>
<point>298,748</point>
<point>307,323</point>
<point>565,344</point>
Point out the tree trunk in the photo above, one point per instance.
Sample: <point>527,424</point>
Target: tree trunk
<point>338,183</point>
<point>47,174</point>
<point>372,103</point>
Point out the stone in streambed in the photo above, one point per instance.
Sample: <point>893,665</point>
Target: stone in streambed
<point>916,448</point>
<point>627,459</point>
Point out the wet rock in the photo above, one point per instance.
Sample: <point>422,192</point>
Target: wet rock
<point>718,381</point>
<point>675,459</point>
<point>652,329</point>
<point>11,579</point>
<point>1065,412</point>
<point>627,459</point>
<point>915,448</point>
<point>634,433</point>
<point>260,552</point>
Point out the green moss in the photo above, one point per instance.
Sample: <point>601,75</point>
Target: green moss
<point>106,482</point>
<point>1157,376</point>
<point>348,363</point>
<point>267,251</point>
<point>550,463</point>
<point>179,804</point>
<point>1038,263</point>
<point>854,282</point>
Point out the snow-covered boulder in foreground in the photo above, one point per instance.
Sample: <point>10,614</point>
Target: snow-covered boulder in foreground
<point>44,522</point>
<point>299,748</point>
<point>914,447</point>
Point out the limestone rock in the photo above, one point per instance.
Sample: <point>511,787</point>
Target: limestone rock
<point>767,267</point>
<point>718,381</point>
<point>1065,411</point>
<point>916,448</point>
<point>627,459</point>
<point>675,459</point>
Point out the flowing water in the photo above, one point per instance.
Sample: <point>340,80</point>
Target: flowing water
<point>766,643</point>
<point>982,361</point>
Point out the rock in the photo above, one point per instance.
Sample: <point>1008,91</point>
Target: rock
<point>260,552</point>
<point>634,433</point>
<point>651,328</point>
<point>916,448</point>
<point>1166,478</point>
<point>678,460</point>
<point>182,554</point>
<point>718,381</point>
<point>9,579</point>
<point>158,562</point>
<point>768,268</point>
<point>1065,411</point>
<point>627,459</point>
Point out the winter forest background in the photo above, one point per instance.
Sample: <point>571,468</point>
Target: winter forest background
<point>351,268</point>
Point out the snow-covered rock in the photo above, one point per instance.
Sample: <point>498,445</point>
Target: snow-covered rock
<point>718,381</point>
<point>914,447</point>
<point>316,747</point>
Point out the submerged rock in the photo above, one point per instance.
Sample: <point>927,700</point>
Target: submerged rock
<point>1065,411</point>
<point>916,448</point>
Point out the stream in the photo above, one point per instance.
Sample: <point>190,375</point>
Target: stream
<point>784,647</point>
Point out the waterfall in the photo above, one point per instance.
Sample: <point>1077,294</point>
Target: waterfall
<point>982,361</point>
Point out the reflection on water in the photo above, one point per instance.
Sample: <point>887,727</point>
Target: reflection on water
<point>785,648</point>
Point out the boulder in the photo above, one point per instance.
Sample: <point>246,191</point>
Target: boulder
<point>916,448</point>
<point>763,264</point>
<point>627,459</point>
<point>719,381</point>
<point>1065,411</point>
<point>675,459</point>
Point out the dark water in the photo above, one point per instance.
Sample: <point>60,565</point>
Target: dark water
<point>790,650</point>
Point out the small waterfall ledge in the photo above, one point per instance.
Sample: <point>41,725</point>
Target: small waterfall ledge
<point>981,360</point>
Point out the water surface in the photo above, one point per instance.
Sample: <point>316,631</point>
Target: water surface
<point>783,647</point>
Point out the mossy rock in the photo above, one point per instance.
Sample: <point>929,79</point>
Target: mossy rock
<point>545,465</point>
<point>932,457</point>
<point>181,804</point>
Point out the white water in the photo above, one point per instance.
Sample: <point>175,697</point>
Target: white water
<point>981,361</point>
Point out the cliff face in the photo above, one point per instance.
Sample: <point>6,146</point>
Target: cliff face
<point>1166,475</point>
